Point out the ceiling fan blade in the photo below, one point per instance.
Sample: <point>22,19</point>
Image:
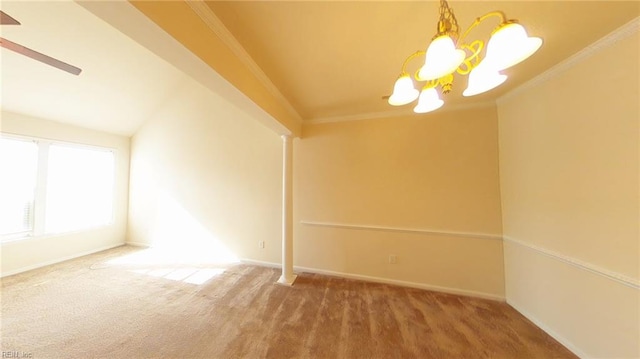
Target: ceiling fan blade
<point>10,45</point>
<point>5,19</point>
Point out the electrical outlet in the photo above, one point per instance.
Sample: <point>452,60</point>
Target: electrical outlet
<point>393,259</point>
<point>261,244</point>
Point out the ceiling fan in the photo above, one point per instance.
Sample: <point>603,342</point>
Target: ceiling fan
<point>5,19</point>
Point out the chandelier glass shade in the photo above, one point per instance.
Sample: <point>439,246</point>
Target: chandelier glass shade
<point>448,54</point>
<point>510,45</point>
<point>403,91</point>
<point>428,101</point>
<point>442,58</point>
<point>482,79</point>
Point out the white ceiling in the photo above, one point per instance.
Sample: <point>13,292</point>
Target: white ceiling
<point>121,84</point>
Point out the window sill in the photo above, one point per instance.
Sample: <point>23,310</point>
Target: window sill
<point>20,239</point>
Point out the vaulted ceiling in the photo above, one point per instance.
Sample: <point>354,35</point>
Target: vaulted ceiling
<point>328,59</point>
<point>121,84</point>
<point>334,59</point>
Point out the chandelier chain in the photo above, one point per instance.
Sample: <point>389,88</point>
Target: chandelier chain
<point>448,24</point>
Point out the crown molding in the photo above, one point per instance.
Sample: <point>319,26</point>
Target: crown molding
<point>358,117</point>
<point>395,113</point>
<point>608,40</point>
<point>215,24</point>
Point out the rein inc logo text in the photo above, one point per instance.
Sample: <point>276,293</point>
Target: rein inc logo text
<point>14,354</point>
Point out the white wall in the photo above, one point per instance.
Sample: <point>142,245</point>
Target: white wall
<point>569,173</point>
<point>21,255</point>
<point>205,174</point>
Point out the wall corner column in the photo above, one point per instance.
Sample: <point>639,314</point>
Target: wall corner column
<point>287,278</point>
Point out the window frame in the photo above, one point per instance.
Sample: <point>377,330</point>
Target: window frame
<point>40,192</point>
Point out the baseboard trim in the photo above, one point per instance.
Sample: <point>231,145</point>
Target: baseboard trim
<point>260,263</point>
<point>138,244</point>
<point>448,290</point>
<point>611,275</point>
<point>59,260</point>
<point>433,232</point>
<point>564,341</point>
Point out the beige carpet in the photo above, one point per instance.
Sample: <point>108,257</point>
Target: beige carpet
<point>101,307</point>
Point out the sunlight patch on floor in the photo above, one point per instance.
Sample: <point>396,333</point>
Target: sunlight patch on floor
<point>167,257</point>
<point>181,248</point>
<point>191,265</point>
<point>188,275</point>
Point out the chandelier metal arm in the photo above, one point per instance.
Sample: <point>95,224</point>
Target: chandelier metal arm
<point>472,60</point>
<point>500,14</point>
<point>431,84</point>
<point>474,48</point>
<point>411,57</point>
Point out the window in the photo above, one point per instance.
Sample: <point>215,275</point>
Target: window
<point>79,189</point>
<point>51,187</point>
<point>18,173</point>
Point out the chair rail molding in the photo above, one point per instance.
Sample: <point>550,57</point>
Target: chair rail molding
<point>611,275</point>
<point>585,266</point>
<point>435,232</point>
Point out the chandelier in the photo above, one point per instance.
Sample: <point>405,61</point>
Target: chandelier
<point>449,53</point>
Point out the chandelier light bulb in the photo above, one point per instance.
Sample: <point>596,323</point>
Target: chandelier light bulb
<point>428,101</point>
<point>403,92</point>
<point>483,79</point>
<point>509,46</point>
<point>442,58</point>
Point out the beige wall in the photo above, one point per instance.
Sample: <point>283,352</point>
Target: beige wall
<point>21,255</point>
<point>569,162</point>
<point>203,173</point>
<point>436,172</point>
